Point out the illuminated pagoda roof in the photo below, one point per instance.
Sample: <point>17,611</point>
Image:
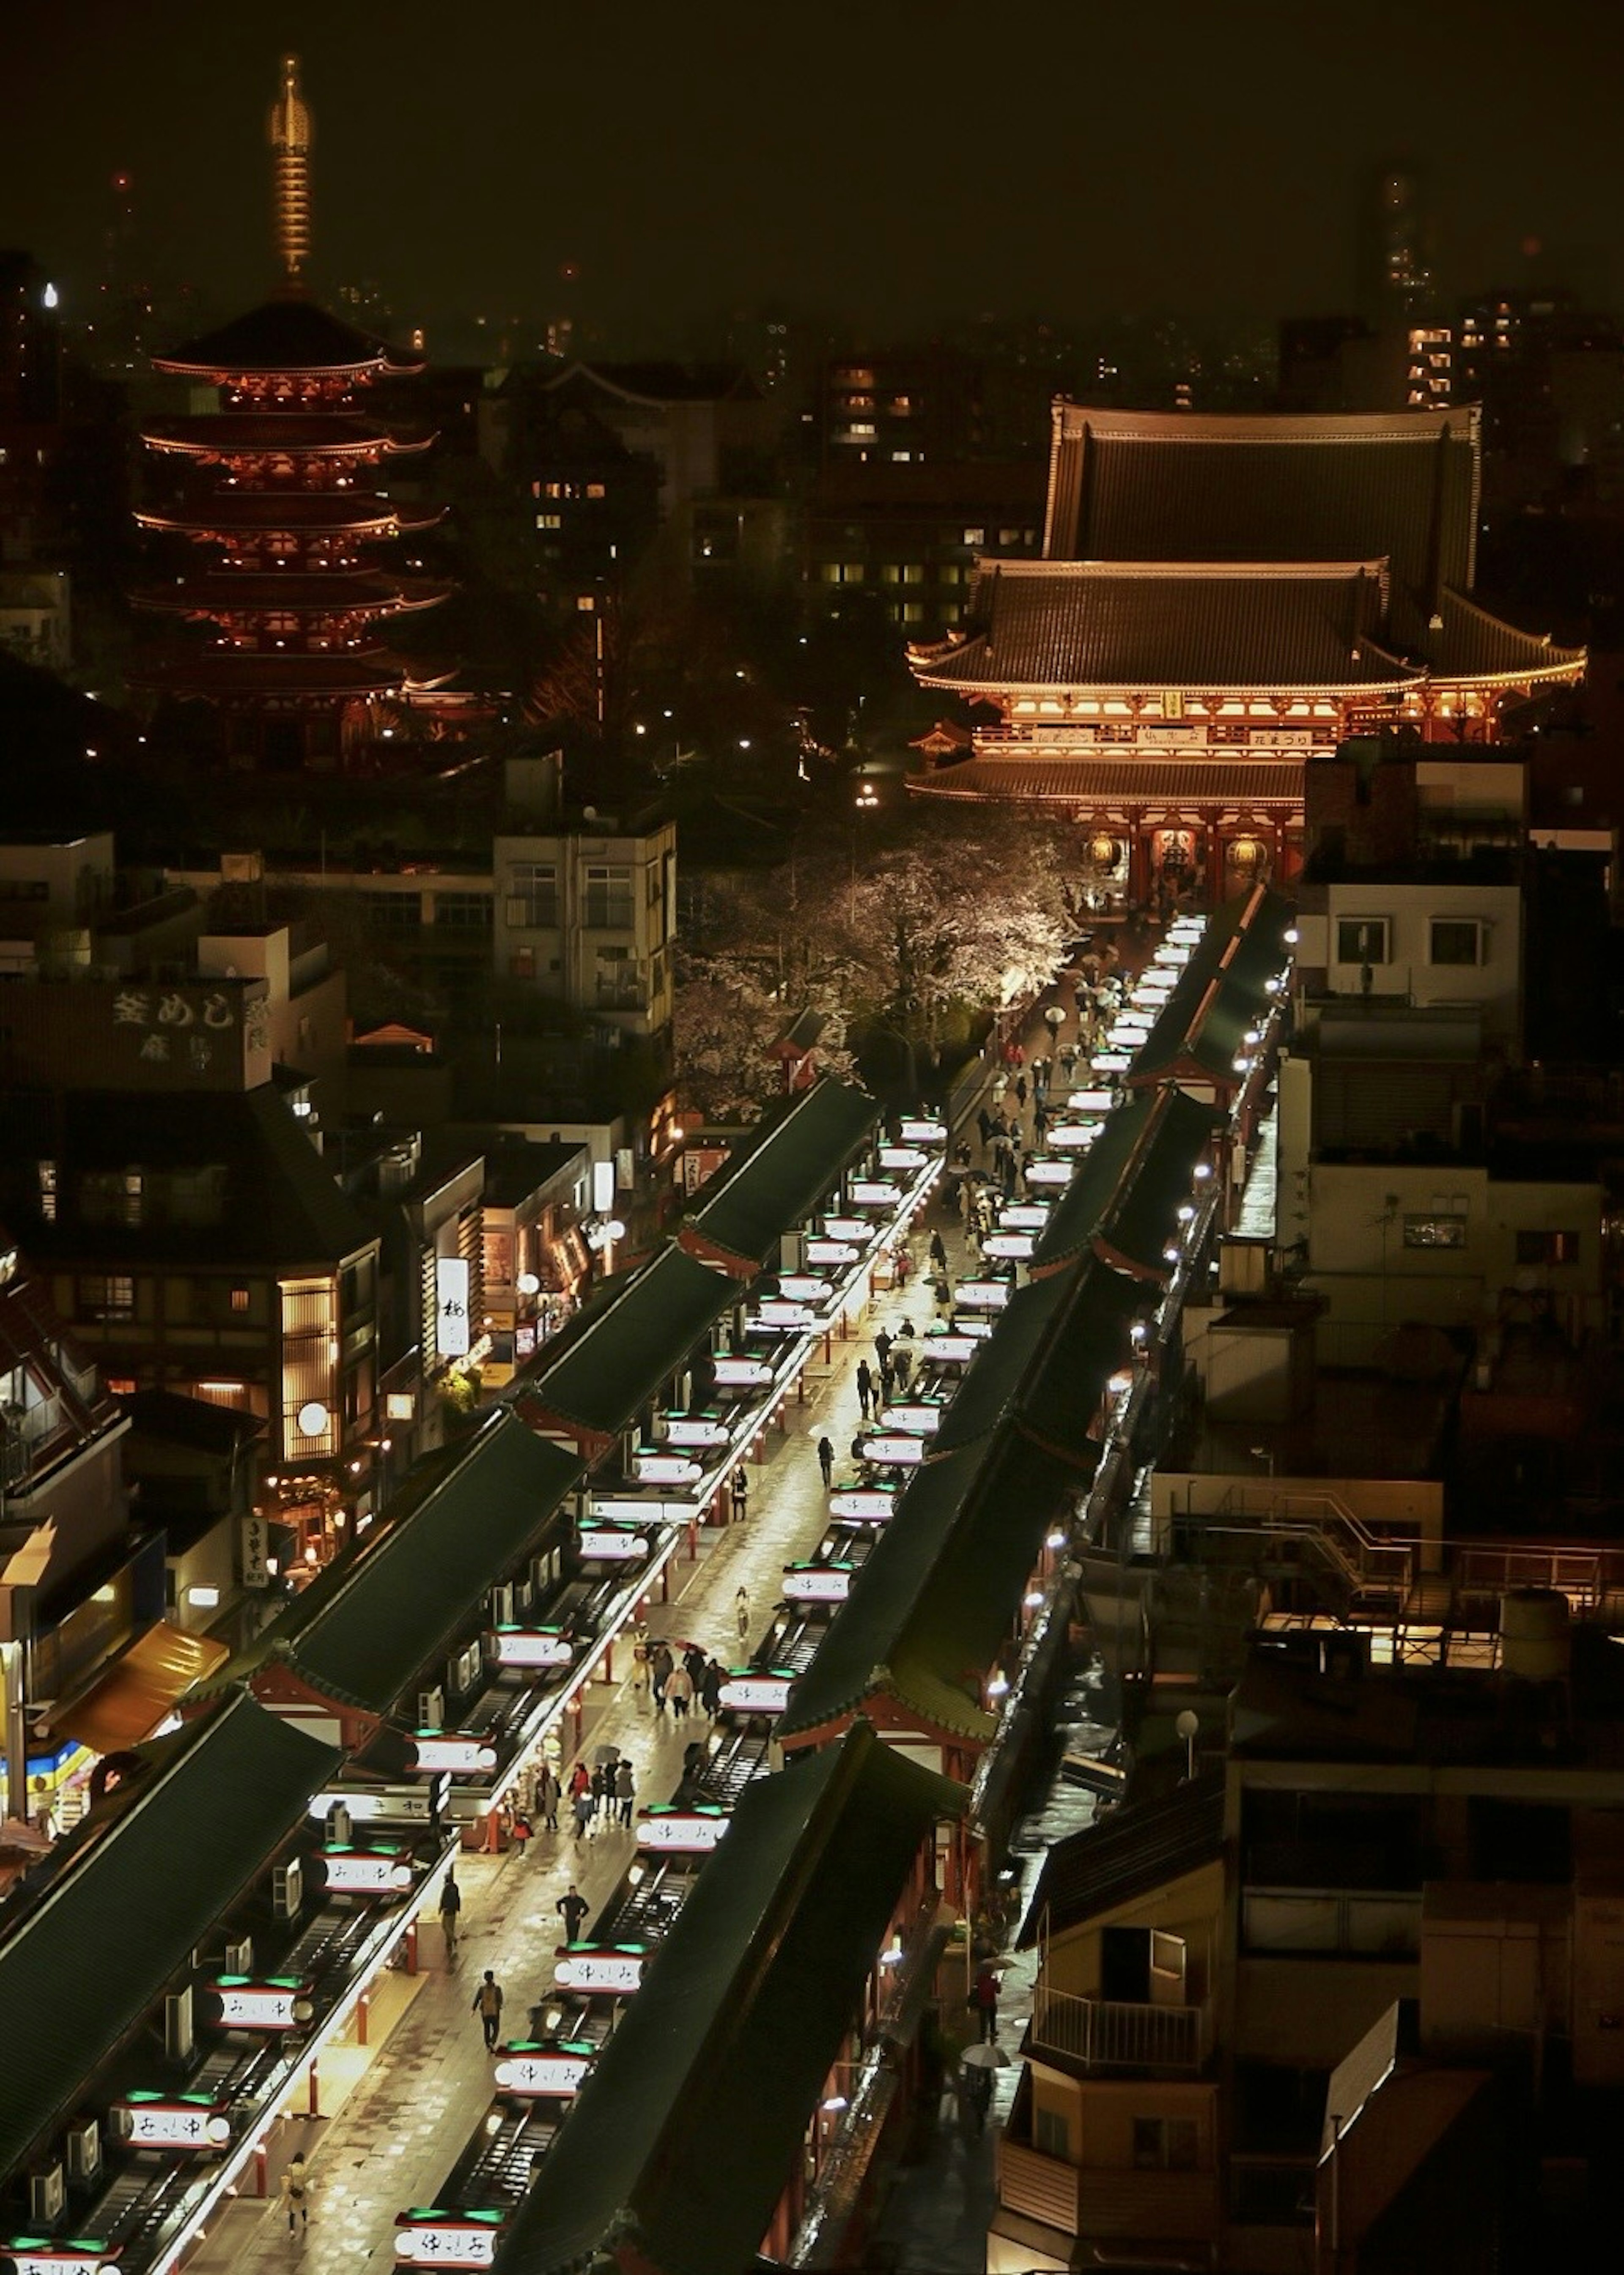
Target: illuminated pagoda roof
<point>1255,785</point>
<point>224,592</point>
<point>287,675</point>
<point>338,434</point>
<point>291,334</point>
<point>1278,628</point>
<point>306,513</point>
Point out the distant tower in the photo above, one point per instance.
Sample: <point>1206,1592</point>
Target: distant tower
<point>1398,282</point>
<point>288,132</point>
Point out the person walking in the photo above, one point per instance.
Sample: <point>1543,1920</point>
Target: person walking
<point>826,1461</point>
<point>488,2007</point>
<point>904,1267</point>
<point>295,2190</point>
<point>939,1253</point>
<point>887,1376</point>
<point>710,1689</point>
<point>625,1792</point>
<point>548,1790</point>
<point>984,1123</point>
<point>1020,1092</point>
<point>902,1361</point>
<point>882,1349</point>
<point>639,1660</point>
<point>741,1614</point>
<point>679,1693</point>
<point>602,1794</point>
<point>450,1914</point>
<point>523,1830</point>
<point>983,1998</point>
<point>693,1659</point>
<point>740,1495</point>
<point>865,1386</point>
<point>660,1669</point>
<point>580,1809</point>
<point>572,1908</point>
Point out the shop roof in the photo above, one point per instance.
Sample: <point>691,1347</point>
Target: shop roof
<point>790,1163</point>
<point>1122,1205</point>
<point>1221,991</point>
<point>1129,1854</point>
<point>621,1347</point>
<point>150,1875</point>
<point>692,2119</point>
<point>462,1519</point>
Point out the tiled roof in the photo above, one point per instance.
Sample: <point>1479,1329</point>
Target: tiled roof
<point>220,431</point>
<point>151,1876</point>
<point>1086,623</point>
<point>287,334</point>
<point>1122,1205</point>
<point>309,511</point>
<point>1222,990</point>
<point>1115,783</point>
<point>1472,644</point>
<point>790,1163</point>
<point>462,1519</point>
<point>693,2117</point>
<point>221,590</point>
<point>623,1345</point>
<point>1149,486</point>
<point>1132,1853</point>
<point>664,383</point>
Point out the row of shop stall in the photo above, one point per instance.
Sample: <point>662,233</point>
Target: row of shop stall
<point>295,1828</point>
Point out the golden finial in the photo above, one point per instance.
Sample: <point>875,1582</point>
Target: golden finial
<point>289,137</point>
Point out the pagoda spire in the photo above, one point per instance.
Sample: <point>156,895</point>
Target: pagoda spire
<point>289,133</point>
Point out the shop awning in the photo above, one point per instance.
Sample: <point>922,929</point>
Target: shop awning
<point>140,1691</point>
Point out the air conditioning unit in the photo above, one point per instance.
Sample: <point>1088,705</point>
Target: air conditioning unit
<point>178,2038</point>
<point>48,2196</point>
<point>239,1957</point>
<point>340,1826</point>
<point>84,2147</point>
<point>288,1890</point>
<point>431,1710</point>
<point>502,1606</point>
<point>792,1251</point>
<point>470,1665</point>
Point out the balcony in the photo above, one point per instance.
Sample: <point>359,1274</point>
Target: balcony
<point>1118,2033</point>
<point>1106,2205</point>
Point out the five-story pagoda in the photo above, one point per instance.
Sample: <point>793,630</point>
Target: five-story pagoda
<point>282,491</point>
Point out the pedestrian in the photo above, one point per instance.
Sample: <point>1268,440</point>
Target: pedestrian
<point>639,1659</point>
<point>904,1267</point>
<point>450,1913</point>
<point>865,1386</point>
<point>1068,1060</point>
<point>572,1908</point>
<point>741,1614</point>
<point>978,2094</point>
<point>902,1360</point>
<point>523,1830</point>
<point>580,1809</point>
<point>547,1796</point>
<point>856,1447</point>
<point>983,1998</point>
<point>710,1689</point>
<point>1020,1092</point>
<point>740,1495</point>
<point>625,1792</point>
<point>295,2188</point>
<point>826,1461</point>
<point>679,1693</point>
<point>882,1348</point>
<point>660,1669</point>
<point>887,1376</point>
<point>984,1123</point>
<point>1040,1122</point>
<point>488,2007</point>
<point>602,1792</point>
<point>939,1251</point>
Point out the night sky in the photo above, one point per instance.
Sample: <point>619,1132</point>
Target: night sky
<point>887,162</point>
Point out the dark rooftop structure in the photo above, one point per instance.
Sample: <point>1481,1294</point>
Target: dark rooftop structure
<point>1136,1850</point>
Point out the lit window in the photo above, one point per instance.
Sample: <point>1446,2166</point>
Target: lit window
<point>549,521</point>
<point>1361,940</point>
<point>239,1299</point>
<point>975,537</point>
<point>595,489</point>
<point>1434,1231</point>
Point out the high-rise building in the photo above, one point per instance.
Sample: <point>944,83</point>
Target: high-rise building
<point>1398,282</point>
<point>282,491</point>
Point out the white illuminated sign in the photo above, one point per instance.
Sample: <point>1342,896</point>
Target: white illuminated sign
<point>447,2242</point>
<point>1023,1216</point>
<point>665,1469</point>
<point>91,2259</point>
<point>831,1252</point>
<point>451,1324</point>
<point>442,1752</point>
<point>360,1873</point>
<point>682,1831</point>
<point>919,1414</point>
<point>776,1313</point>
<point>982,1295</point>
<point>949,1350</point>
<point>745,1693</point>
<point>558,2075</point>
<point>903,1157</point>
<point>863,1504</point>
<point>924,1132</point>
<point>1071,1137</point>
<point>1016,1245</point>
<point>613,1547</point>
<point>817,1583</point>
<point>261,2006</point>
<point>803,1287</point>
<point>1091,1101</point>
<point>891,1449</point>
<point>533,1647</point>
<point>871,1192</point>
<point>1050,1173</point>
<point>741,1373</point>
<point>171,2124</point>
<point>848,1227</point>
<point>694,1430</point>
<point>615,1968</point>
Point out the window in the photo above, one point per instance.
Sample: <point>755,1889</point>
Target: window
<point>617,980</point>
<point>111,1197</point>
<point>1457,940</point>
<point>533,899</point>
<point>1433,1231</point>
<point>1547,1248</point>
<point>1361,940</point>
<point>392,911</point>
<point>239,1299</point>
<point>47,1191</point>
<point>1166,2144</point>
<point>464,911</point>
<point>609,906</point>
<point>595,489</point>
<point>549,521</point>
<point>975,537</point>
<point>1050,2136</point>
<point>110,1298</point>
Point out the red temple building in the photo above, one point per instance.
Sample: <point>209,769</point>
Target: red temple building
<point>282,492</point>
<point>1218,600</point>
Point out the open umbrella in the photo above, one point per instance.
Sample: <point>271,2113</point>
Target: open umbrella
<point>985,2057</point>
<point>601,1754</point>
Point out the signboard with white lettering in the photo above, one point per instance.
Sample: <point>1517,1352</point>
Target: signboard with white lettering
<point>446,2239</point>
<point>555,2073</point>
<point>443,1753</point>
<point>234,2002</point>
<point>682,1831</point>
<point>923,1414</point>
<point>803,1287</point>
<point>849,1228</point>
<point>1014,1245</point>
<point>653,1469</point>
<point>1050,1173</point>
<point>817,1583</point>
<point>613,1968</point>
<point>148,2120</point>
<point>1091,1101</point>
<point>863,1504</point>
<point>694,1430</point>
<point>533,1647</point>
<point>831,1252</point>
<point>891,1449</point>
<point>38,2254</point>
<point>921,1130</point>
<point>1070,1137</point>
<point>774,1313</point>
<point>982,1295</point>
<point>736,1373</point>
<point>903,1157</point>
<point>947,1350</point>
<point>1023,1216</point>
<point>452,1329</point>
<point>366,1871</point>
<point>872,1193</point>
<point>747,1693</point>
<point>613,1543</point>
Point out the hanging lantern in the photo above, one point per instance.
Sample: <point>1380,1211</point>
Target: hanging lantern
<point>1245,853</point>
<point>1104,852</point>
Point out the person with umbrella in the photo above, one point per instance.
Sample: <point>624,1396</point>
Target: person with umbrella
<point>984,1998</point>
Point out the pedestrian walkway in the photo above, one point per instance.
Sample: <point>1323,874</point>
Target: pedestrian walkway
<point>408,2116</point>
